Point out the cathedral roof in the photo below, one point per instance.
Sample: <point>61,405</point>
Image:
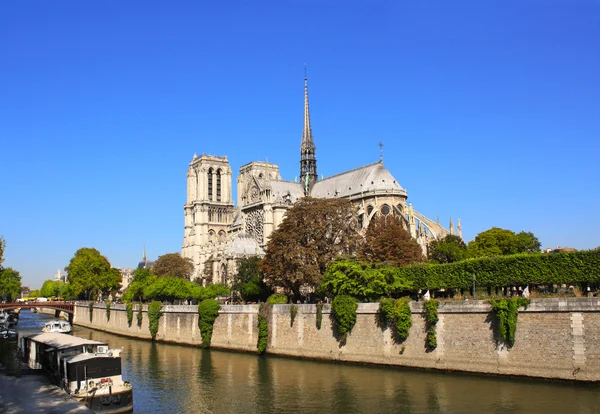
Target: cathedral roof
<point>281,189</point>
<point>244,244</point>
<point>373,177</point>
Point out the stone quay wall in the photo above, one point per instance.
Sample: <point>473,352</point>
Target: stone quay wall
<point>555,338</point>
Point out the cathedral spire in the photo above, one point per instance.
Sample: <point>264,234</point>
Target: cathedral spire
<point>144,258</point>
<point>308,162</point>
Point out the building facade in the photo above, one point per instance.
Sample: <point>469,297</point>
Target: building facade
<point>218,232</point>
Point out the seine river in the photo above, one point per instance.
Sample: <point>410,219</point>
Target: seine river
<point>180,379</point>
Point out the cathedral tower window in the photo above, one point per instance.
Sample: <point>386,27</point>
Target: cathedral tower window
<point>385,209</point>
<point>219,185</point>
<point>210,184</point>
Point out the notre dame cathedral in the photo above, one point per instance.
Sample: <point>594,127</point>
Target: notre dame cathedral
<point>217,233</point>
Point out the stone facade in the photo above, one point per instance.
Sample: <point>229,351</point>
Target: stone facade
<point>216,234</point>
<point>554,338</point>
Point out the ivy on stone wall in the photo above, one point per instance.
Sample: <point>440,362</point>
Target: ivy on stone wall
<point>507,311</point>
<point>91,310</point>
<point>129,313</point>
<point>153,317</point>
<point>263,335</point>
<point>140,315</point>
<point>344,311</point>
<point>208,310</point>
<point>319,315</point>
<point>293,313</point>
<point>107,311</point>
<point>397,314</point>
<point>431,319</point>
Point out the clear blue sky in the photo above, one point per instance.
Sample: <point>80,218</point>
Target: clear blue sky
<point>488,112</point>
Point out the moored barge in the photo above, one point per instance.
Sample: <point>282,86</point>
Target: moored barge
<point>87,370</point>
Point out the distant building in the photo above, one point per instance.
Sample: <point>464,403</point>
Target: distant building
<point>216,233</point>
<point>59,276</point>
<point>559,249</point>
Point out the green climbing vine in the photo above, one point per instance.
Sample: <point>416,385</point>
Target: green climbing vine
<point>140,315</point>
<point>293,313</point>
<point>263,335</point>
<point>208,310</point>
<point>129,313</point>
<point>107,311</point>
<point>396,313</point>
<point>344,311</point>
<point>153,317</point>
<point>431,319</point>
<point>319,315</point>
<point>91,310</point>
<point>507,311</point>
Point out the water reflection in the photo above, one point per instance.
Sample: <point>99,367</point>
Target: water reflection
<point>174,378</point>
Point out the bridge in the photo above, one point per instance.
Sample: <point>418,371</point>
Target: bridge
<point>66,307</point>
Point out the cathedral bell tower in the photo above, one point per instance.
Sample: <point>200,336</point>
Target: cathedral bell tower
<point>308,161</point>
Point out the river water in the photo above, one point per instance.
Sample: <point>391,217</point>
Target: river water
<point>181,379</point>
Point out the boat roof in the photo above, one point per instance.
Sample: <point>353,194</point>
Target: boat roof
<point>85,357</point>
<point>61,341</point>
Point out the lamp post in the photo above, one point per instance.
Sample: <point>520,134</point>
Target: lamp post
<point>474,293</point>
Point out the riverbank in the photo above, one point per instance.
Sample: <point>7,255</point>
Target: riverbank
<point>555,338</point>
<point>31,393</point>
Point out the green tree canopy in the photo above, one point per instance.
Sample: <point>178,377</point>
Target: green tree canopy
<point>502,242</point>
<point>449,249</point>
<point>51,288</point>
<point>173,265</point>
<point>175,288</point>
<point>249,281</point>
<point>10,284</point>
<point>89,273</point>
<point>386,241</point>
<point>313,232</point>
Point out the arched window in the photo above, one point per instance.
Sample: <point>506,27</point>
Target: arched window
<point>210,183</point>
<point>218,185</point>
<point>385,209</point>
<point>369,210</point>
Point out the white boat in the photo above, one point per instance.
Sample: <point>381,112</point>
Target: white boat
<point>87,370</point>
<point>57,326</point>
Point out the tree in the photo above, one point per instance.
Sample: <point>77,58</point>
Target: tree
<point>51,288</point>
<point>313,232</point>
<point>173,265</point>
<point>89,273</point>
<point>10,284</point>
<point>386,241</point>
<point>249,281</point>
<point>142,278</point>
<point>449,249</point>
<point>501,242</point>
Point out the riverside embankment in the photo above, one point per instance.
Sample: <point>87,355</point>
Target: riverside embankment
<point>555,338</point>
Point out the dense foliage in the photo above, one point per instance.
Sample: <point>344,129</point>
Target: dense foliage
<point>313,232</point>
<point>154,313</point>
<point>107,311</point>
<point>501,242</point>
<point>396,313</point>
<point>263,335</point>
<point>140,315</point>
<point>386,241</point>
<point>129,308</point>
<point>173,265</point>
<point>91,310</point>
<point>515,270</point>
<point>507,311</point>
<point>344,311</point>
<point>52,288</point>
<point>293,313</point>
<point>208,310</point>
<point>363,281</point>
<point>174,288</point>
<point>10,284</point>
<point>142,278</point>
<point>249,281</point>
<point>90,273</point>
<point>450,249</point>
<point>277,299</point>
<point>319,315</point>
<point>431,320</point>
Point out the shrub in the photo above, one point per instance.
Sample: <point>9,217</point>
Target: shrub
<point>344,311</point>
<point>263,335</point>
<point>396,313</point>
<point>153,317</point>
<point>507,311</point>
<point>91,310</point>
<point>319,315</point>
<point>140,315</point>
<point>129,314</point>
<point>277,299</point>
<point>208,310</point>
<point>293,313</point>
<point>431,319</point>
<point>107,311</point>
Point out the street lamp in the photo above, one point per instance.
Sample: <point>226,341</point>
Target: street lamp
<point>474,293</point>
